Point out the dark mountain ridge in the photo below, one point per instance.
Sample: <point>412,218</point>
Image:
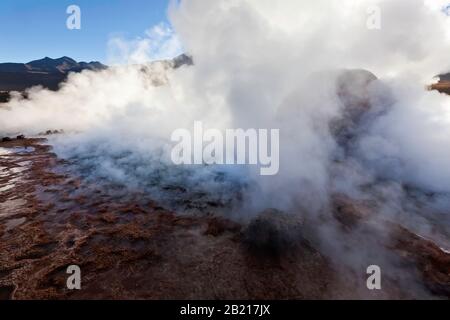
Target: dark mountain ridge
<point>49,73</point>
<point>48,65</point>
<point>46,72</point>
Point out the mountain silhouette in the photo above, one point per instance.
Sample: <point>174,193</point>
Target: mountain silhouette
<point>46,72</point>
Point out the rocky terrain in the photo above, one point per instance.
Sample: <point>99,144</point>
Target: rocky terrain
<point>443,85</point>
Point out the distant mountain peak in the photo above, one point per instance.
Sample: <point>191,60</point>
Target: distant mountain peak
<point>47,72</point>
<point>62,65</point>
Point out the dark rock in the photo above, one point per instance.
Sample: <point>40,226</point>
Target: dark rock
<point>20,137</point>
<point>6,139</point>
<point>50,132</point>
<point>6,292</point>
<point>182,60</point>
<point>353,90</point>
<point>273,232</point>
<point>4,96</point>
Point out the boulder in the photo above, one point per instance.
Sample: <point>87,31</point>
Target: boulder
<point>352,88</point>
<point>273,232</point>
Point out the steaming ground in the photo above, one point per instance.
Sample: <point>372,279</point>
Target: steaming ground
<point>374,138</point>
<point>184,188</point>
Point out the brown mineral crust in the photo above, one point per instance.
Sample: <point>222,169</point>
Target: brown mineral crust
<point>350,212</point>
<point>432,262</point>
<point>128,249</point>
<point>218,226</point>
<point>442,86</point>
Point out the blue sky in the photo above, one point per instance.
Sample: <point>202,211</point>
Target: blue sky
<point>33,29</point>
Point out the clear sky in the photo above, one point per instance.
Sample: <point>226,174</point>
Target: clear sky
<point>33,29</point>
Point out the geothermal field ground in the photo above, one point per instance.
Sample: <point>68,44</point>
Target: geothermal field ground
<point>236,150</point>
<point>132,248</point>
